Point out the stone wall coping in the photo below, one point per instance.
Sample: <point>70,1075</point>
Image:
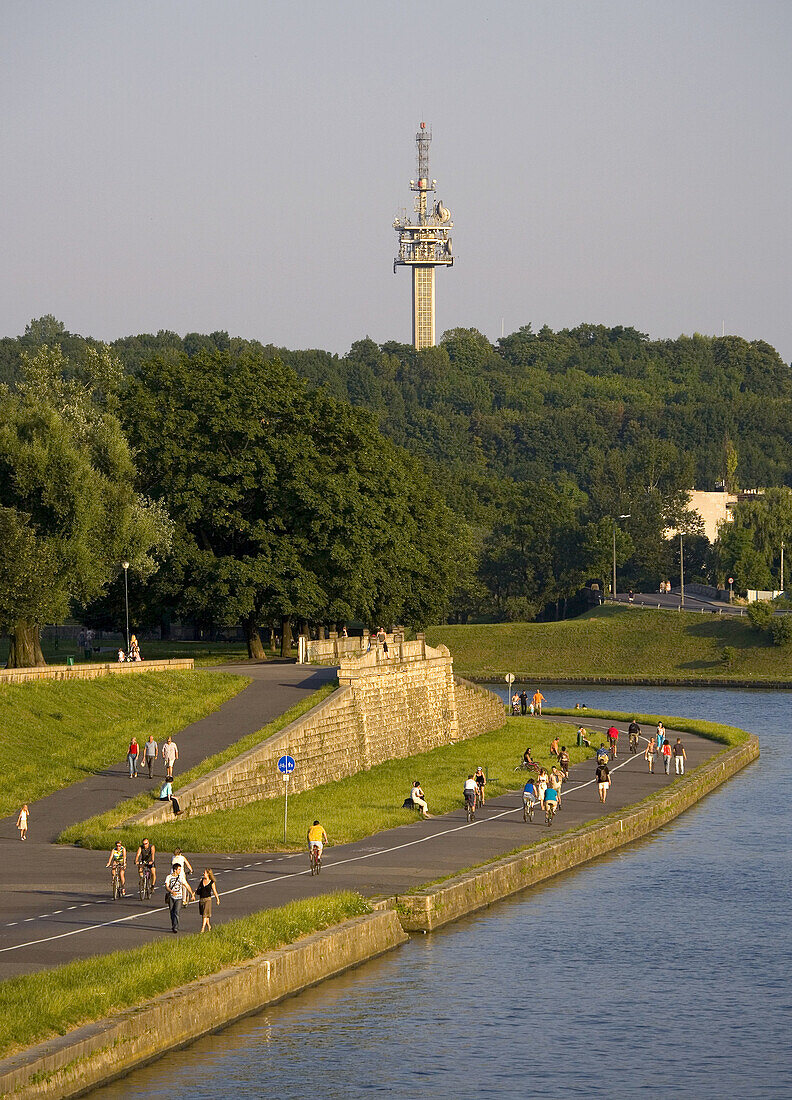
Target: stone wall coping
<point>91,670</point>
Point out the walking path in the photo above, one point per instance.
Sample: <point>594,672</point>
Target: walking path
<point>55,906</point>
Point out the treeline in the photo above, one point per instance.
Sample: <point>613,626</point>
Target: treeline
<point>524,454</point>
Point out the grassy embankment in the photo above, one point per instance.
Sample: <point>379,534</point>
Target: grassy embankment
<point>37,1006</point>
<point>624,643</point>
<point>350,808</point>
<point>55,732</point>
<point>203,653</point>
<point>96,833</point>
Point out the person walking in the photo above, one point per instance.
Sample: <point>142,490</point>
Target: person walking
<point>177,890</point>
<point>22,822</point>
<point>523,702</point>
<point>205,891</point>
<point>132,757</point>
<point>679,757</point>
<point>649,755</point>
<point>603,781</point>
<point>666,751</point>
<point>660,736</point>
<point>537,701</point>
<point>170,754</point>
<point>150,753</point>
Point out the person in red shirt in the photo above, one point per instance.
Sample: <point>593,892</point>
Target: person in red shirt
<point>613,740</point>
<point>132,758</point>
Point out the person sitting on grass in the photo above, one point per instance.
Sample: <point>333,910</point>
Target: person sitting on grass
<point>418,798</point>
<point>528,760</point>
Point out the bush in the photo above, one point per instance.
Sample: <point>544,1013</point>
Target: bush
<point>760,614</point>
<point>728,655</point>
<point>781,630</point>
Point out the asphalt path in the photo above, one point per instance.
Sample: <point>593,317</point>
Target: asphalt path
<point>55,905</point>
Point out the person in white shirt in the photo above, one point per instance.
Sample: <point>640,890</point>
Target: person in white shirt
<point>177,890</point>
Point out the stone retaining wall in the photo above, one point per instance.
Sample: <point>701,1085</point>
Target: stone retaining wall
<point>91,670</point>
<point>435,906</point>
<point>101,1051</point>
<point>384,709</point>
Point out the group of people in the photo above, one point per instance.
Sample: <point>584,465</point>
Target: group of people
<point>546,786</point>
<point>138,758</point>
<point>133,654</point>
<point>178,891</point>
<point>659,745</point>
<point>522,706</point>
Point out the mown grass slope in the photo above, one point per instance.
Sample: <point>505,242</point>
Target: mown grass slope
<point>623,642</point>
<point>55,732</point>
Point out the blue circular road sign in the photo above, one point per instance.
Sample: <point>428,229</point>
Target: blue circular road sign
<point>286,765</point>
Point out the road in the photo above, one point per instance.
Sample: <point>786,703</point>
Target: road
<point>55,905</point>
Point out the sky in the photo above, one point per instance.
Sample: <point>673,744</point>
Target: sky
<point>237,165</point>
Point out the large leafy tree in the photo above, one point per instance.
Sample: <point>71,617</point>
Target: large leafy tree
<point>287,503</point>
<point>68,510</point>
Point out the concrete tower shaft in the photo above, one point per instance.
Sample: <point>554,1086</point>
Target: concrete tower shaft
<point>424,244</point>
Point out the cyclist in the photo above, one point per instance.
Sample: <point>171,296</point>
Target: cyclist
<point>469,792</point>
<point>118,860</point>
<point>563,762</point>
<point>481,782</point>
<point>634,732</point>
<point>551,799</point>
<point>530,795</point>
<point>554,781</point>
<point>317,838</point>
<point>144,857</point>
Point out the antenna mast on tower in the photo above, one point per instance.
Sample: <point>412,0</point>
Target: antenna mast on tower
<point>424,245</point>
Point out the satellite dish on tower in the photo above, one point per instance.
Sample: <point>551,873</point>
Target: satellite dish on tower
<point>442,213</point>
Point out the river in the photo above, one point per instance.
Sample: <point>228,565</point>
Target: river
<point>660,970</point>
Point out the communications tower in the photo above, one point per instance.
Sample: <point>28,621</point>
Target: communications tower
<point>424,245</point>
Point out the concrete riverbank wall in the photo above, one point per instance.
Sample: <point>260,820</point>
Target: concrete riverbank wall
<point>99,1052</point>
<point>384,709</point>
<point>431,908</point>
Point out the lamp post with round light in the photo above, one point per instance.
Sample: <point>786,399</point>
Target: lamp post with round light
<point>125,565</point>
<point>626,516</point>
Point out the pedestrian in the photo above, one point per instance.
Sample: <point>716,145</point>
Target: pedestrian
<point>177,890</point>
<point>170,754</point>
<point>150,752</point>
<point>603,781</point>
<point>679,757</point>
<point>22,822</point>
<point>515,704</point>
<point>385,647</point>
<point>132,757</point>
<point>134,649</point>
<point>538,699</point>
<point>523,702</point>
<point>660,736</point>
<point>649,755</point>
<point>205,891</point>
<point>666,751</point>
<point>181,859</point>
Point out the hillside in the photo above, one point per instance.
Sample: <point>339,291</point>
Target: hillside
<point>616,642</point>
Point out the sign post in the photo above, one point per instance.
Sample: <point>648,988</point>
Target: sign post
<point>509,678</point>
<point>286,766</point>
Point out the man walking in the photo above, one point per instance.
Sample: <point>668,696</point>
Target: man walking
<point>170,754</point>
<point>150,754</point>
<point>177,889</point>
<point>679,757</point>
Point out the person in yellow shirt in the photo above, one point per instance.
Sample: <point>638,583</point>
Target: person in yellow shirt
<point>317,837</point>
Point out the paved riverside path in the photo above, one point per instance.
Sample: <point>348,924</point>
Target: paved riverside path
<point>55,905</point>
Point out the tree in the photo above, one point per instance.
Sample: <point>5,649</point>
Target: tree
<point>68,510</point>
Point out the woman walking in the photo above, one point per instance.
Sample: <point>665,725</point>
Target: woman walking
<point>22,822</point>
<point>132,757</point>
<point>205,891</point>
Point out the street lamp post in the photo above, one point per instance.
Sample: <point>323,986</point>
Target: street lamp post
<point>125,564</point>
<point>782,569</point>
<point>626,516</point>
<point>681,573</point>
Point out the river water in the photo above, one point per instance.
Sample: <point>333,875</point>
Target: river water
<point>660,970</point>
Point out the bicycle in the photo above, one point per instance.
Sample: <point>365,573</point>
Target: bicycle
<point>144,882</point>
<point>117,889</point>
<point>550,809</point>
<point>470,809</point>
<point>528,809</point>
<point>315,856</point>
<point>633,742</point>
<point>525,766</point>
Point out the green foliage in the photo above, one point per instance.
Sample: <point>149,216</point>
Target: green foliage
<point>52,1002</point>
<point>760,614</point>
<point>781,630</point>
<point>729,656</point>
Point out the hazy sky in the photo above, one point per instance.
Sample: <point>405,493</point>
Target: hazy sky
<point>238,164</point>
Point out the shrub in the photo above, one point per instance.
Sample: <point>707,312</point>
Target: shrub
<point>728,655</point>
<point>781,630</point>
<point>760,614</point>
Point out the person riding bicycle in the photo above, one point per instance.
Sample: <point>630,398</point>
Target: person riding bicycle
<point>117,861</point>
<point>481,782</point>
<point>317,838</point>
<point>530,794</point>
<point>551,799</point>
<point>634,732</point>
<point>554,781</point>
<point>144,857</point>
<point>470,790</point>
